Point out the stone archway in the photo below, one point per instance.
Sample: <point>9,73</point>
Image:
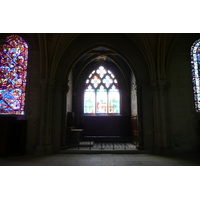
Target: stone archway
<point>103,126</point>
<point>120,44</point>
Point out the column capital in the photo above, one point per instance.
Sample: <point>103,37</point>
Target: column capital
<point>47,83</point>
<point>43,83</point>
<point>160,84</point>
<point>66,86</point>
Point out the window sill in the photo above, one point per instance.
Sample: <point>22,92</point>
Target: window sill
<point>102,114</point>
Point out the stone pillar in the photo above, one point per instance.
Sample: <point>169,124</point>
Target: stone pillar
<point>63,136</point>
<point>49,121</point>
<point>45,144</point>
<point>65,90</point>
<point>40,142</point>
<point>140,144</point>
<point>134,114</point>
<point>160,116</point>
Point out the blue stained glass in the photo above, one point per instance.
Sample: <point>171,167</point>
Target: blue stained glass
<point>13,72</point>
<point>3,105</point>
<point>89,89</point>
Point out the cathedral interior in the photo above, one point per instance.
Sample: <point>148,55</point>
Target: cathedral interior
<point>60,89</point>
<point>105,105</point>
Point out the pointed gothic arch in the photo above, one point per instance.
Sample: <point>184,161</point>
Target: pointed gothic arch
<point>74,67</point>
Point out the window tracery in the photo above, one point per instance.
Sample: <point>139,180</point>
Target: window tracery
<point>101,94</point>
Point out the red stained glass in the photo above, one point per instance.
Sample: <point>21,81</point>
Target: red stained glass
<point>13,72</point>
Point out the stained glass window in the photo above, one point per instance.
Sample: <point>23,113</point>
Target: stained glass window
<point>195,64</point>
<point>89,100</point>
<point>101,94</point>
<point>101,100</point>
<point>113,95</point>
<point>13,72</point>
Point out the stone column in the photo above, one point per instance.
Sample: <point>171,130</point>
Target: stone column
<point>44,144</point>
<point>134,115</point>
<point>49,121</point>
<point>160,116</point>
<point>140,141</point>
<point>65,90</point>
<point>40,142</point>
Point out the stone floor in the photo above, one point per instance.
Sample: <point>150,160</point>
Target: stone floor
<point>184,159</point>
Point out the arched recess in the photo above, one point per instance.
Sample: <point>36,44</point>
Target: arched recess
<point>183,118</point>
<point>106,124</point>
<point>124,47</point>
